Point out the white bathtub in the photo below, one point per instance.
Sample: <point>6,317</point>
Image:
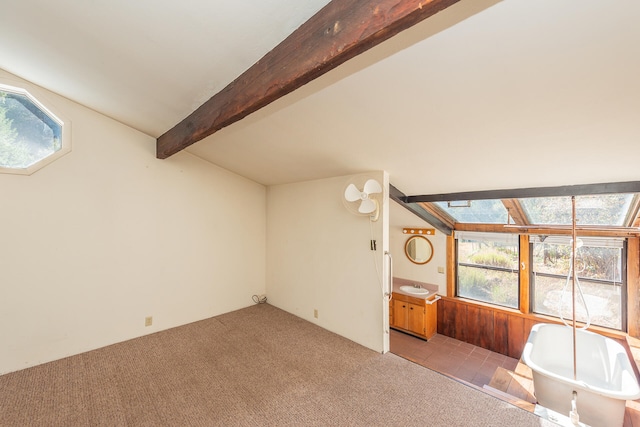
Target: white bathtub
<point>605,377</point>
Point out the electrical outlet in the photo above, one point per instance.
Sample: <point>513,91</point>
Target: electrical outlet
<point>148,321</point>
<point>315,313</point>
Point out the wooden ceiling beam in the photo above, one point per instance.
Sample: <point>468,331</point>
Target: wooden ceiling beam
<point>516,212</point>
<point>340,31</point>
<point>439,214</point>
<point>633,216</point>
<point>519,193</point>
<point>583,231</point>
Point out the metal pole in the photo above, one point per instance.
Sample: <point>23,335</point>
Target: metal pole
<point>573,280</point>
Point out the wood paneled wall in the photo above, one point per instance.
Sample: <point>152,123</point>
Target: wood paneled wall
<point>506,330</point>
<point>486,327</point>
<point>497,329</point>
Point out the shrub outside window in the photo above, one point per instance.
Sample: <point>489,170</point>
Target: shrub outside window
<point>488,267</point>
<point>600,268</point>
<point>31,136</point>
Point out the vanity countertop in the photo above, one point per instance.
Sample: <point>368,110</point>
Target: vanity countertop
<point>433,289</point>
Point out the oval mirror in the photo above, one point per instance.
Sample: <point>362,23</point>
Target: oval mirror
<point>418,249</point>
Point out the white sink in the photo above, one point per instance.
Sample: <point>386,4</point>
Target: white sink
<point>413,290</point>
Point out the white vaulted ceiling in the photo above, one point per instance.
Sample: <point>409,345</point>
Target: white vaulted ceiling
<point>487,94</point>
<point>146,63</point>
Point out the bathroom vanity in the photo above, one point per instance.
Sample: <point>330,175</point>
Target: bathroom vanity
<point>413,313</point>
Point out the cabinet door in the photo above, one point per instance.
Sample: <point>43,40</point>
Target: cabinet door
<point>400,309</point>
<point>416,318</point>
<point>431,320</point>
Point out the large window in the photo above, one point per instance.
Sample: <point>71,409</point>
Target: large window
<point>601,209</point>
<point>601,279</point>
<point>487,267</point>
<point>478,211</point>
<point>31,136</point>
<point>489,226</point>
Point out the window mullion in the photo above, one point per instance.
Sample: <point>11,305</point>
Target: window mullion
<point>525,289</point>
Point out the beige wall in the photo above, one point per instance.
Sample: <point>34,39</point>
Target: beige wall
<point>108,234</point>
<point>402,267</point>
<point>319,258</point>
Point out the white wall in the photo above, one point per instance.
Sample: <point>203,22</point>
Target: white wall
<point>108,234</point>
<point>400,218</point>
<point>319,258</point>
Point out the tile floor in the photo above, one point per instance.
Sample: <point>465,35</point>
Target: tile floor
<point>452,357</point>
<point>464,361</point>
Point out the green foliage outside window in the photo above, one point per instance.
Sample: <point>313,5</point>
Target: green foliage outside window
<point>603,209</point>
<point>600,276</point>
<point>488,271</point>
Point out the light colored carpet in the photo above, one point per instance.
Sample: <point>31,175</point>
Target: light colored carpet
<point>258,366</point>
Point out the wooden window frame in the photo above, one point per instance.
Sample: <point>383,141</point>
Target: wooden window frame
<point>524,309</point>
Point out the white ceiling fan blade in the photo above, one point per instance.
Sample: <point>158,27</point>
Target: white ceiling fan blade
<point>367,206</point>
<point>372,186</point>
<point>351,194</point>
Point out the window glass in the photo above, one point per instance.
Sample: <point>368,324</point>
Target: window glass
<point>487,268</point>
<point>604,209</point>
<point>28,132</point>
<point>599,266</point>
<point>476,211</point>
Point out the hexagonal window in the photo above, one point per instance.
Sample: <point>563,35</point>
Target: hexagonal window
<point>31,136</point>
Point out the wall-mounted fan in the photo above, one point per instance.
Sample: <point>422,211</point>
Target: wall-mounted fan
<point>364,200</point>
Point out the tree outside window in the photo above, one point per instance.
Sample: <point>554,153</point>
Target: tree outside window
<point>29,133</point>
